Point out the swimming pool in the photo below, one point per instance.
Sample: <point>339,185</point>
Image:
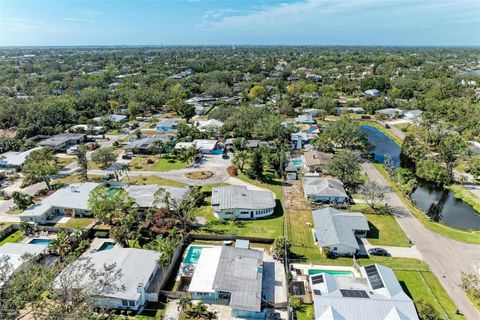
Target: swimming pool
<point>335,273</point>
<point>40,241</point>
<point>193,254</point>
<point>106,246</point>
<point>113,191</point>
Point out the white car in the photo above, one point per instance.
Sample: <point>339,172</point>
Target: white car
<point>72,150</point>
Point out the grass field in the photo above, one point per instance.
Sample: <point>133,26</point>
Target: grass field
<point>76,223</point>
<point>15,237</point>
<point>385,230</point>
<point>163,163</point>
<point>301,237</point>
<point>143,180</point>
<point>467,196</point>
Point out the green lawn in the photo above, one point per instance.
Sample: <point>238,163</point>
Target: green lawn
<point>163,163</point>
<point>459,235</point>
<point>143,180</point>
<point>385,230</point>
<point>76,223</point>
<point>15,237</point>
<point>270,227</point>
<point>466,195</point>
<point>301,237</point>
<point>305,312</point>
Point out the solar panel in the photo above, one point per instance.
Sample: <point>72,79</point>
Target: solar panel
<point>317,279</point>
<point>317,292</point>
<point>354,293</point>
<point>373,277</point>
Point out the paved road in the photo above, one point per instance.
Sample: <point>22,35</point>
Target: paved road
<point>447,258</point>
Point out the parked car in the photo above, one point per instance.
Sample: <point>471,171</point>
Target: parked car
<point>378,252</point>
<point>127,156</point>
<point>109,177</point>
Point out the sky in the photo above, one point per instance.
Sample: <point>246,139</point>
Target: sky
<point>227,22</point>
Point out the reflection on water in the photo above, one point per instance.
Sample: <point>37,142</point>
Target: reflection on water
<point>440,204</point>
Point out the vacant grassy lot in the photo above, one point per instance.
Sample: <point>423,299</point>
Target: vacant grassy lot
<point>143,180</point>
<point>163,163</point>
<point>385,230</point>
<point>15,237</point>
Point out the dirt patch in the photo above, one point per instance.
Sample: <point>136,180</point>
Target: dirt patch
<point>199,175</point>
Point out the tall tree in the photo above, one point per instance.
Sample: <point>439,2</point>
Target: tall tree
<point>82,161</point>
<point>22,200</point>
<point>104,157</point>
<point>345,166</point>
<point>39,166</point>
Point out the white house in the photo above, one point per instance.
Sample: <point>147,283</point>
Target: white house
<point>326,190</point>
<point>390,112</point>
<point>203,145</point>
<point>232,276</point>
<point>137,285</point>
<point>372,93</point>
<point>15,159</point>
<point>376,295</point>
<point>203,125</point>
<point>241,203</point>
<point>338,230</point>
<point>70,200</point>
<point>17,254</point>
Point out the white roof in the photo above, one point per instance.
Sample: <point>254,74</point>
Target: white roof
<point>74,196</point>
<point>211,123</point>
<point>202,144</point>
<point>15,252</point>
<point>16,158</point>
<point>136,266</point>
<point>205,270</point>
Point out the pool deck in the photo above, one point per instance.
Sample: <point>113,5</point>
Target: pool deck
<point>305,267</point>
<point>39,235</point>
<point>98,242</point>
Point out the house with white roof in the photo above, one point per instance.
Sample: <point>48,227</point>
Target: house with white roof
<point>111,117</point>
<point>18,253</point>
<point>301,139</point>
<point>377,295</point>
<point>231,276</point>
<point>144,195</point>
<point>372,93</point>
<point>138,284</point>
<point>241,203</point>
<point>338,230</point>
<point>324,190</point>
<point>390,112</point>
<point>14,159</point>
<point>306,118</point>
<point>203,125</point>
<point>204,146</point>
<point>71,200</point>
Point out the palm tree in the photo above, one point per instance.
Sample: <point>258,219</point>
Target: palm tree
<point>157,147</point>
<point>198,310</point>
<point>60,246</point>
<point>184,303</point>
<point>125,169</point>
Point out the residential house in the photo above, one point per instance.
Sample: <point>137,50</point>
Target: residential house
<point>231,276</point>
<point>301,139</point>
<point>324,190</point>
<point>144,195</point>
<point>85,128</point>
<point>204,146</point>
<point>71,200</point>
<point>118,118</point>
<point>372,93</point>
<point>147,145</point>
<point>167,124</point>
<point>208,124</point>
<point>338,230</point>
<point>311,112</point>
<point>390,112</point>
<point>16,253</point>
<point>64,140</point>
<point>14,159</point>
<point>316,161</point>
<point>250,144</point>
<point>342,110</point>
<point>305,119</point>
<point>239,202</point>
<point>138,284</point>
<point>376,295</point>
<point>414,116</point>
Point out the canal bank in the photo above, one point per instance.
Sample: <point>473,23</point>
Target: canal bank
<point>438,204</point>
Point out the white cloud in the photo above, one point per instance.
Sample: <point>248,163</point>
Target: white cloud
<point>80,20</point>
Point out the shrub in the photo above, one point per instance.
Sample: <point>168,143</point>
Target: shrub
<point>326,251</point>
<point>101,234</point>
<point>232,171</point>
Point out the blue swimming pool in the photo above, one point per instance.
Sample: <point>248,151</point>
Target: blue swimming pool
<point>106,246</point>
<point>40,241</point>
<point>335,273</point>
<point>193,254</point>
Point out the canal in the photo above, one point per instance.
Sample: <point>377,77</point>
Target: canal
<point>440,204</point>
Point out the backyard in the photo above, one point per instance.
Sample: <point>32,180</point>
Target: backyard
<point>144,180</point>
<point>14,237</point>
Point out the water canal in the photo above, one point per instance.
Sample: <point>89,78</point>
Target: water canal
<point>440,204</point>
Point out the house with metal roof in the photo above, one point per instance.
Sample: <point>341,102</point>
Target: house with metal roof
<point>203,125</point>
<point>167,124</point>
<point>19,253</point>
<point>338,230</point>
<point>112,118</point>
<point>324,190</point>
<point>231,276</point>
<point>205,146</point>
<point>139,283</point>
<point>71,200</point>
<point>239,202</point>
<point>376,295</point>
<point>63,140</point>
<point>14,159</point>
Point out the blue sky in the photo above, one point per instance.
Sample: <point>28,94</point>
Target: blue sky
<point>267,22</point>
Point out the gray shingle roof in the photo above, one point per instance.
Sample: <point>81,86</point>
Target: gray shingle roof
<point>146,143</point>
<point>335,227</point>
<point>240,272</point>
<point>326,187</point>
<point>239,197</point>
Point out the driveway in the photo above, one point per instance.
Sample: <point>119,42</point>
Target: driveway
<point>447,258</point>
<point>397,252</point>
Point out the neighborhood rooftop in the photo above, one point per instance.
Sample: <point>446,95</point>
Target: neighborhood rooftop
<point>239,197</point>
<point>144,195</point>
